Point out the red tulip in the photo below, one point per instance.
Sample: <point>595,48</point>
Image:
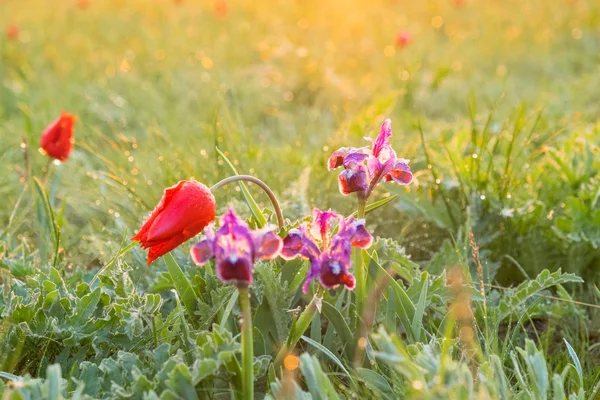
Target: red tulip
<point>57,138</point>
<point>12,32</point>
<point>183,212</point>
<point>403,39</point>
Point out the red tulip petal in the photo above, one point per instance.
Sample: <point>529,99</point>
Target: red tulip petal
<point>163,248</point>
<point>57,138</point>
<point>192,202</point>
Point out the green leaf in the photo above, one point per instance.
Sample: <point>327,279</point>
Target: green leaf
<point>374,381</point>
<point>405,309</point>
<point>258,215</point>
<point>327,352</point>
<point>558,388</point>
<point>86,307</point>
<point>318,383</point>
<point>276,298</point>
<point>51,223</point>
<point>120,253</point>
<point>513,299</point>
<point>11,377</point>
<point>334,316</point>
<point>53,375</point>
<point>576,362</point>
<point>417,322</point>
<point>232,302</point>
<point>375,205</point>
<point>180,381</point>
<point>203,369</point>
<point>181,283</point>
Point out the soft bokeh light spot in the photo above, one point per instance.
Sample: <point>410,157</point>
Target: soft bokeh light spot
<point>437,21</point>
<point>207,62</point>
<point>291,362</point>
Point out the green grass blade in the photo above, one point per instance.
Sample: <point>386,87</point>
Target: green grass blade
<point>576,362</point>
<point>232,302</point>
<point>405,309</point>
<point>417,322</point>
<point>327,352</point>
<point>54,229</point>
<point>334,316</point>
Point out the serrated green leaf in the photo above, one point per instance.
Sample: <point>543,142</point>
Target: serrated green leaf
<point>86,307</point>
<point>513,299</point>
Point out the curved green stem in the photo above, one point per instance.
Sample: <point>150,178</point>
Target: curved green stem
<point>262,185</point>
<point>247,344</point>
<point>299,327</point>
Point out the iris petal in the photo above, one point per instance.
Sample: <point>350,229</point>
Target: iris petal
<point>233,269</point>
<point>361,237</point>
<point>313,272</point>
<point>333,273</point>
<point>353,180</point>
<point>354,158</point>
<point>400,173</point>
<point>292,244</point>
<point>336,159</point>
<point>267,244</point>
<point>381,146</point>
<point>202,252</point>
<point>321,223</point>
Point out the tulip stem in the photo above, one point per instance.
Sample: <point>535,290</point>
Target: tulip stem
<point>262,185</point>
<point>247,344</point>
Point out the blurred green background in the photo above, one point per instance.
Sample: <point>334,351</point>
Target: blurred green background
<point>506,94</point>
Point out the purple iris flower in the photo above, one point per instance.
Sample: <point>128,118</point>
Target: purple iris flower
<point>364,168</point>
<point>236,248</point>
<point>329,262</point>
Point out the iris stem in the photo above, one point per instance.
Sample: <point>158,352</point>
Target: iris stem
<point>359,271</point>
<point>299,327</point>
<point>247,344</point>
<point>263,186</point>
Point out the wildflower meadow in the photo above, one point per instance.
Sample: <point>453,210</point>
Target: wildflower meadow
<point>228,199</point>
